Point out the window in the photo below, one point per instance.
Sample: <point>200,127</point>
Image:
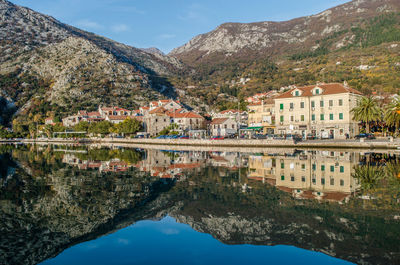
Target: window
<point>281,106</point>
<point>314,180</point>
<point>282,118</point>
<point>332,180</point>
<point>313,117</point>
<point>233,126</point>
<point>340,102</point>
<point>282,165</point>
<point>303,179</point>
<point>282,177</point>
<point>291,105</point>
<point>302,105</point>
<point>313,104</point>
<point>332,168</point>
<point>341,182</point>
<point>322,167</point>
<point>297,93</point>
<point>340,116</point>
<point>291,178</point>
<point>331,103</point>
<point>291,118</point>
<point>302,117</point>
<point>322,181</point>
<point>322,117</point>
<point>225,126</point>
<point>331,116</point>
<point>314,167</point>
<point>341,169</point>
<point>317,91</point>
<point>303,166</point>
<point>321,103</point>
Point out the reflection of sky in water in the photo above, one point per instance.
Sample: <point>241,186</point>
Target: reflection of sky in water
<point>169,242</point>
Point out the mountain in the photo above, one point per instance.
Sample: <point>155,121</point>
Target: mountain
<point>44,62</point>
<point>358,42</point>
<point>277,38</point>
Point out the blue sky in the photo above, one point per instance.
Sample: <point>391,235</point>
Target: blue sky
<point>167,24</point>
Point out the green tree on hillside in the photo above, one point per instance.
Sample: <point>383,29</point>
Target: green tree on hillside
<point>367,110</point>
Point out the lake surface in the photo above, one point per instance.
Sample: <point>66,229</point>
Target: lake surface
<point>115,205</point>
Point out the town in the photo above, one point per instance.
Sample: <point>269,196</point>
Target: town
<point>321,111</point>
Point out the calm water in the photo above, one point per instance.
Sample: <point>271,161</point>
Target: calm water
<point>98,205</point>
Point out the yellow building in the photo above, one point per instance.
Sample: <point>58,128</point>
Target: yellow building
<point>262,116</point>
<point>323,110</point>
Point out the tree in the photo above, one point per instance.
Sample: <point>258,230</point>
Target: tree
<point>128,126</point>
<point>392,114</point>
<point>367,110</point>
<point>82,126</point>
<point>102,127</point>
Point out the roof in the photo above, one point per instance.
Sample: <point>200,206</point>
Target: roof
<point>94,113</point>
<point>328,89</point>
<point>219,120</point>
<point>118,117</point>
<point>145,108</point>
<point>158,110</point>
<point>184,115</point>
<point>49,119</point>
<point>231,110</point>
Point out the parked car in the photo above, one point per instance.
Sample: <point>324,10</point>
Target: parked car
<point>311,136</point>
<point>183,137</point>
<point>259,136</point>
<point>294,137</point>
<point>162,137</point>
<point>368,136</point>
<point>139,136</point>
<point>279,137</point>
<point>217,138</point>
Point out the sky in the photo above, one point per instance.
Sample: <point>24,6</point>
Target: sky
<point>167,24</point>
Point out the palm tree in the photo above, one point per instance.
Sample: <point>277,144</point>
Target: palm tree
<point>368,176</point>
<point>392,114</point>
<point>367,110</point>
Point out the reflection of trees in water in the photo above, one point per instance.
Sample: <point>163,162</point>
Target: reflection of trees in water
<point>369,177</point>
<point>373,177</point>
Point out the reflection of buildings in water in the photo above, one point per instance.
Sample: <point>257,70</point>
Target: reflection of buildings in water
<point>322,175</point>
<point>113,165</point>
<point>161,164</point>
<point>168,164</point>
<point>232,160</point>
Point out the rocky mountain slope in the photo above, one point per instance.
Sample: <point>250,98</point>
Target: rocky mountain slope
<point>59,65</point>
<point>277,38</point>
<point>357,42</point>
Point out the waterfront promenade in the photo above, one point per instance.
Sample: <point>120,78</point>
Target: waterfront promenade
<point>383,143</point>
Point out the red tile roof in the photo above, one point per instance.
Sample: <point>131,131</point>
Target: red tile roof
<point>158,110</point>
<point>328,89</point>
<point>219,120</point>
<point>184,115</point>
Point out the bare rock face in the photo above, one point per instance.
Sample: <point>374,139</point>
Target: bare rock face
<point>277,38</point>
<point>81,67</point>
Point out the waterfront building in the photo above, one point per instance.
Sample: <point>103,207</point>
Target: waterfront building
<point>262,116</point>
<point>323,110</point>
<point>223,127</point>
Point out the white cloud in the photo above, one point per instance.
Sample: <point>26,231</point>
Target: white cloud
<point>120,28</point>
<point>88,24</point>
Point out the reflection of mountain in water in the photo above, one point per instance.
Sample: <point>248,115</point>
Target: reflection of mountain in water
<point>48,206</point>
